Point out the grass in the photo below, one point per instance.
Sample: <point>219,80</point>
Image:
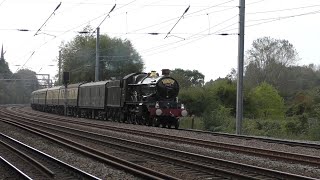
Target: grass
<point>186,123</point>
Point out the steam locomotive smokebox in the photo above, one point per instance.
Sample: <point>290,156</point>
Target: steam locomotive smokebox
<point>165,72</point>
<point>66,77</point>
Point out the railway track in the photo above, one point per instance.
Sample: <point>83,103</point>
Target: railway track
<point>9,171</point>
<point>127,166</point>
<point>265,153</point>
<point>208,168</point>
<point>36,164</point>
<point>264,139</point>
<point>243,137</point>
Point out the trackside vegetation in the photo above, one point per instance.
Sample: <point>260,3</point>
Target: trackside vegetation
<point>281,99</point>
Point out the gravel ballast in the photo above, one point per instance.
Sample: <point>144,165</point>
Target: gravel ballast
<point>305,170</point>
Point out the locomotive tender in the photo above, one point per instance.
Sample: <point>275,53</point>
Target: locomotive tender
<point>139,98</point>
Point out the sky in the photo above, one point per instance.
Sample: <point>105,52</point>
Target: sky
<point>194,42</point>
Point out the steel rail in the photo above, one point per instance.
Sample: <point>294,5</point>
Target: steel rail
<point>15,169</point>
<point>256,169</point>
<point>39,165</point>
<point>99,155</point>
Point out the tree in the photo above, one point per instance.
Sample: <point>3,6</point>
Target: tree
<point>219,104</point>
<point>18,89</point>
<point>267,61</point>
<point>4,93</point>
<point>188,78</point>
<point>267,50</point>
<point>117,58</point>
<point>223,91</point>
<point>265,102</point>
<point>24,87</point>
<point>194,99</point>
<point>232,75</point>
<point>5,72</point>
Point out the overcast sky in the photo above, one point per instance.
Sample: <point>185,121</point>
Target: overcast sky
<point>194,43</point>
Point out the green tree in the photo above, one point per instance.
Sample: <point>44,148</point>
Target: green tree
<point>215,102</point>
<point>220,102</point>
<point>223,91</point>
<point>300,78</point>
<point>302,103</point>
<point>117,57</point>
<point>265,102</point>
<point>267,61</point>
<point>18,89</point>
<point>188,78</point>
<point>23,88</point>
<point>5,95</point>
<point>5,72</point>
<point>195,100</point>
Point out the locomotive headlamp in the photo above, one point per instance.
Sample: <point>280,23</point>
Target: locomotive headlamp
<point>182,106</point>
<point>158,112</point>
<point>184,113</point>
<point>157,105</point>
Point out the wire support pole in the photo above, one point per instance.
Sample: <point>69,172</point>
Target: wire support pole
<point>97,55</point>
<point>59,73</point>
<point>239,115</point>
<point>65,109</point>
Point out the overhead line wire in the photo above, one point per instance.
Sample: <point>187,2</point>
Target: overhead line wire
<point>48,18</point>
<point>252,25</point>
<point>199,38</point>
<point>67,30</point>
<point>280,10</point>
<point>216,5</point>
<point>254,2</point>
<point>187,38</point>
<point>222,10</point>
<point>286,17</point>
<point>186,16</point>
<point>185,11</point>
<point>199,33</point>
<point>268,20</point>
<point>108,15</point>
<point>2,2</point>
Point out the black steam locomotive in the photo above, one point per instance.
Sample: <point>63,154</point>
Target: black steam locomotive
<point>139,98</point>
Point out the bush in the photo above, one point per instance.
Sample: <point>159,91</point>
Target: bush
<point>263,127</point>
<point>314,133</point>
<point>296,125</point>
<point>219,119</point>
<point>265,102</point>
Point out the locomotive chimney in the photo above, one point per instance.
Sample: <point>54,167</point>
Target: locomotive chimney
<point>165,72</point>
